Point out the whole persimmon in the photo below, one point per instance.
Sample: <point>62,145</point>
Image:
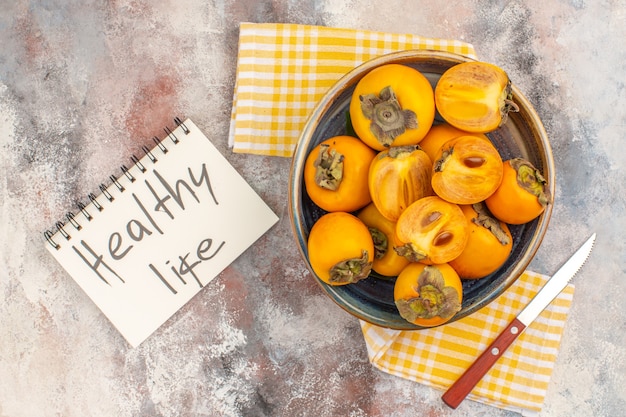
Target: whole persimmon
<point>392,105</point>
<point>466,170</point>
<point>523,194</point>
<point>340,249</point>
<point>432,231</point>
<point>439,134</point>
<point>335,174</point>
<point>488,246</point>
<point>397,177</point>
<point>386,261</point>
<point>428,295</point>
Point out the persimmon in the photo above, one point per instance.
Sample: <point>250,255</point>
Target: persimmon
<point>440,134</point>
<point>467,170</point>
<point>428,295</point>
<point>335,174</point>
<point>340,249</point>
<point>522,195</point>
<point>488,246</point>
<point>474,96</point>
<point>392,105</point>
<point>386,261</point>
<point>432,231</point>
<point>397,177</point>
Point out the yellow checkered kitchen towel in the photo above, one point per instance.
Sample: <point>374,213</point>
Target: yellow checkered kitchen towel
<point>437,357</point>
<point>283,70</point>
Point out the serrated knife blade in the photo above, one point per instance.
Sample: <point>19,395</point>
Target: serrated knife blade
<point>464,385</point>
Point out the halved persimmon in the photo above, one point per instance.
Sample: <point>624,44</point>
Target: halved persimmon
<point>523,194</point>
<point>428,295</point>
<point>386,261</point>
<point>488,246</point>
<point>397,177</point>
<point>432,231</point>
<point>475,96</point>
<point>335,174</point>
<point>441,133</point>
<point>341,249</point>
<point>467,170</point>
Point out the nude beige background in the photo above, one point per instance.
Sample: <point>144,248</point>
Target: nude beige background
<point>84,84</point>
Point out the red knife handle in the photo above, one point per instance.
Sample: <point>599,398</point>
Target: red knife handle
<point>464,385</point>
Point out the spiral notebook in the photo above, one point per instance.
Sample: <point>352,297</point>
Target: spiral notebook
<point>160,232</point>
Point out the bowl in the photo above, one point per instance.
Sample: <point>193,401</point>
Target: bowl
<point>371,299</point>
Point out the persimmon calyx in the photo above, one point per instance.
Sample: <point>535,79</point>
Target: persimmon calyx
<point>350,271</point>
<point>409,252</point>
<point>485,219</point>
<point>529,178</point>
<point>435,298</point>
<point>381,243</point>
<point>440,163</point>
<point>400,151</point>
<point>328,168</point>
<point>508,105</point>
<point>388,119</point>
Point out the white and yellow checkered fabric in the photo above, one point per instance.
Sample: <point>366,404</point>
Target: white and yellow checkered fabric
<point>437,357</point>
<point>283,70</point>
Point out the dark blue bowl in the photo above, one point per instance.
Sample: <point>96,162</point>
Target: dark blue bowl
<point>371,299</point>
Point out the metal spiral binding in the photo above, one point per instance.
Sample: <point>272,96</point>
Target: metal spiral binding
<point>73,222</point>
<point>171,135</point>
<point>105,192</point>
<point>92,198</point>
<point>119,186</point>
<point>137,163</point>
<point>83,210</point>
<point>126,172</point>
<point>160,145</point>
<point>70,217</point>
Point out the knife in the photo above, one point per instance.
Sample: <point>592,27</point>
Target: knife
<point>464,385</point>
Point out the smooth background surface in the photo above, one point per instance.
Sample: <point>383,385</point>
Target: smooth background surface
<point>84,84</point>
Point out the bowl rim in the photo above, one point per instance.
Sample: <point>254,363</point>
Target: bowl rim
<point>346,82</point>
